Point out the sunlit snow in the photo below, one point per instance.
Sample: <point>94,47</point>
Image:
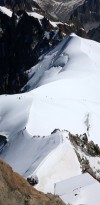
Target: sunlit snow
<point>63,93</point>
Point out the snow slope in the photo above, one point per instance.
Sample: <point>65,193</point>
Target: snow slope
<point>82,189</point>
<point>14,111</point>
<point>25,152</point>
<point>65,96</point>
<point>69,185</point>
<point>74,66</point>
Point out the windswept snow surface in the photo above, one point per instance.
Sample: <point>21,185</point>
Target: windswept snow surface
<point>71,75</point>
<point>69,185</point>
<point>79,190</point>
<point>24,152</point>
<point>6,11</point>
<point>14,112</point>
<point>61,164</point>
<point>73,58</point>
<point>66,86</point>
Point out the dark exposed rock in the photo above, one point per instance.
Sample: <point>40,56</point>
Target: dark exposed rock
<point>94,34</point>
<point>93,149</point>
<point>85,12</point>
<point>55,131</point>
<point>23,40</point>
<point>33,180</point>
<point>88,14</point>
<point>86,168</point>
<point>19,4</point>
<point>3,142</point>
<point>88,149</point>
<point>21,47</point>
<point>59,9</point>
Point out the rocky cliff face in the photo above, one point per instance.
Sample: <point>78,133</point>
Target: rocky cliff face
<point>86,11</point>
<point>88,14</point>
<point>20,47</point>
<point>23,39</point>
<point>59,9</point>
<point>14,190</point>
<point>95,34</point>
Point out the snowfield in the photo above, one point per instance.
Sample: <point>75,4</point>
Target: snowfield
<point>62,93</point>
<point>80,190</point>
<point>70,75</point>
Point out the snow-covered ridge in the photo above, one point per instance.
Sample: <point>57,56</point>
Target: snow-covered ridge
<point>74,67</point>
<point>35,15</point>
<point>65,96</point>
<point>6,11</point>
<point>73,57</point>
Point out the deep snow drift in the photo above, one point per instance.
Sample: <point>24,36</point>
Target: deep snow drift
<point>65,96</point>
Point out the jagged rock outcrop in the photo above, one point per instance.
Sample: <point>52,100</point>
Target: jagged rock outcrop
<point>20,47</point>
<point>59,10</point>
<point>94,34</point>
<point>85,150</point>
<point>88,147</point>
<point>86,11</point>
<point>15,190</point>
<point>88,14</point>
